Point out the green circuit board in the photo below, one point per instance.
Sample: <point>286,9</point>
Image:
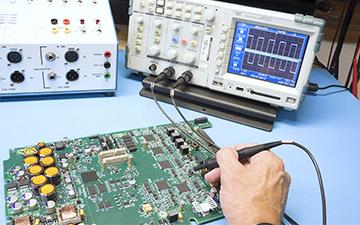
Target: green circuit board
<point>139,176</point>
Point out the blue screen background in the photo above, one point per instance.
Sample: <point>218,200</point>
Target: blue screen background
<point>266,53</point>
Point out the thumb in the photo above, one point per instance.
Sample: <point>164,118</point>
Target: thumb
<point>228,161</point>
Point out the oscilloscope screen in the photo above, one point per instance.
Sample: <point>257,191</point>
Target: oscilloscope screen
<point>267,53</point>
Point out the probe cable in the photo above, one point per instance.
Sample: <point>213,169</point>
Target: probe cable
<point>172,95</point>
<point>308,152</point>
<point>152,85</point>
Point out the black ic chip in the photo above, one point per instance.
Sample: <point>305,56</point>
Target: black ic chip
<point>157,150</point>
<point>162,185</point>
<point>12,185</point>
<point>182,187</point>
<point>165,164</point>
<point>149,137</point>
<point>92,190</point>
<point>89,176</point>
<point>102,188</point>
<point>23,183</point>
<point>101,205</point>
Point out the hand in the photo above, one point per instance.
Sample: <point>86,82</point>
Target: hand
<point>251,192</point>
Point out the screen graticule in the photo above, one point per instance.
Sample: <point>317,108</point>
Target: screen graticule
<point>267,54</point>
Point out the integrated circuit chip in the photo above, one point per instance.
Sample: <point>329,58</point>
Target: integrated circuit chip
<point>162,185</point>
<point>12,186</point>
<point>149,137</point>
<point>165,164</point>
<point>102,188</point>
<point>182,187</point>
<point>157,150</point>
<point>92,190</point>
<point>89,176</point>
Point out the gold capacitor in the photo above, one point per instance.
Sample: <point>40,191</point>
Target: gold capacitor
<point>35,170</point>
<point>41,144</point>
<point>37,182</point>
<point>47,192</point>
<point>30,161</point>
<point>44,152</point>
<point>47,161</point>
<point>53,175</point>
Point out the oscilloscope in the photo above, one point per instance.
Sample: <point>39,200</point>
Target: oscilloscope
<point>254,53</point>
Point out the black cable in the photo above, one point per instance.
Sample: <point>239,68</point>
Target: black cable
<point>290,220</point>
<point>318,173</point>
<point>172,94</point>
<point>336,34</point>
<point>152,85</point>
<point>313,87</point>
<point>334,65</point>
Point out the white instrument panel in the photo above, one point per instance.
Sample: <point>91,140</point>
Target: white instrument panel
<point>271,62</point>
<point>57,47</point>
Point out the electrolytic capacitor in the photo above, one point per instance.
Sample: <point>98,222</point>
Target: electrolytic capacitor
<point>11,199</point>
<point>35,170</point>
<point>50,207</point>
<point>27,196</point>
<point>53,175</point>
<point>71,193</point>
<point>30,161</point>
<point>17,207</point>
<point>32,203</point>
<point>45,152</point>
<point>47,161</point>
<point>37,182</point>
<point>48,192</point>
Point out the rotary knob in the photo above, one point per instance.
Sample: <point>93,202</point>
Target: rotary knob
<point>189,57</point>
<point>209,15</point>
<point>172,53</point>
<point>154,50</point>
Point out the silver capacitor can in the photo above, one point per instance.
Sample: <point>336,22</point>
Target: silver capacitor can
<point>50,207</point>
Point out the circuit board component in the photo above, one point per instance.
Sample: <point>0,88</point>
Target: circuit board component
<point>139,176</point>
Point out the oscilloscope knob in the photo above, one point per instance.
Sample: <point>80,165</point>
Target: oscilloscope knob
<point>209,15</point>
<point>172,53</point>
<point>154,50</point>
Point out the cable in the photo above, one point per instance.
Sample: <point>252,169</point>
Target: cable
<point>184,79</point>
<point>290,220</point>
<point>313,87</point>
<point>334,65</point>
<point>247,152</point>
<point>188,123</point>
<point>152,85</point>
<point>336,34</point>
<point>318,173</point>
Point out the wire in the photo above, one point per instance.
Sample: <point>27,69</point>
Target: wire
<point>334,65</point>
<point>290,220</point>
<point>318,173</point>
<point>172,94</point>
<point>314,87</point>
<point>152,85</point>
<point>336,34</point>
<point>332,86</point>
